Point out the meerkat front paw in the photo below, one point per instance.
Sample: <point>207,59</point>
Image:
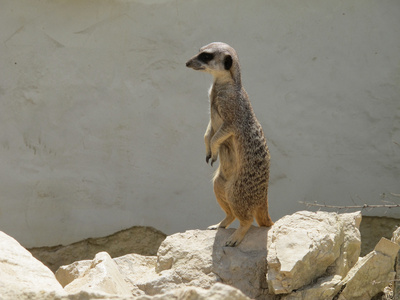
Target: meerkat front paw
<point>213,158</point>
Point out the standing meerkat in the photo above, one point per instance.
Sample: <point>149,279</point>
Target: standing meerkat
<point>235,135</point>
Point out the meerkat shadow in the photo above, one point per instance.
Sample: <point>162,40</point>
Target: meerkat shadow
<point>237,266</point>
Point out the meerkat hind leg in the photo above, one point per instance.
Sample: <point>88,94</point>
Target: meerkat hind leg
<point>263,218</point>
<point>220,194</point>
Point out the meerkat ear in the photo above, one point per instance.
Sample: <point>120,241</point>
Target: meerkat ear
<point>228,62</point>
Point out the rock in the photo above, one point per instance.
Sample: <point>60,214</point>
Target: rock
<point>372,273</point>
<point>194,258</point>
<point>396,236</point>
<point>91,295</point>
<point>218,291</point>
<point>22,276</point>
<point>101,275</point>
<point>302,247</point>
<point>183,259</point>
<point>306,245</point>
<point>351,247</point>
<point>396,285</point>
<point>189,255</point>
<point>198,258</point>
<point>245,266</point>
<point>325,288</point>
<point>66,274</point>
<point>309,255</point>
<point>140,272</point>
<point>137,270</point>
<point>138,239</point>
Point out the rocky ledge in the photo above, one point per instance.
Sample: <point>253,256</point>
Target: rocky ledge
<point>307,255</point>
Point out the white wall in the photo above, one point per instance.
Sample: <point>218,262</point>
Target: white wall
<point>101,123</point>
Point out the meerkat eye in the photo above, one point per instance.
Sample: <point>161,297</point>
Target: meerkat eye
<point>206,57</point>
<point>228,62</point>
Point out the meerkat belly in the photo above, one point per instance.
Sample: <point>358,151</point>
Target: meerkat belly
<point>229,162</point>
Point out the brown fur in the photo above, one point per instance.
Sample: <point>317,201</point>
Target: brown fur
<point>235,135</point>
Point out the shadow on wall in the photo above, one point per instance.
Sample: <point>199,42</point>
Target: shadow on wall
<point>372,229</point>
<point>138,239</point>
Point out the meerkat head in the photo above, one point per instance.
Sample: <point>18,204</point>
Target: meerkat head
<point>218,59</point>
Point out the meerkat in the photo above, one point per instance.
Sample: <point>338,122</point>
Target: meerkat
<point>235,135</point>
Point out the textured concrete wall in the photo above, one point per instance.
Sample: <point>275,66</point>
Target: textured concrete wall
<point>101,123</point>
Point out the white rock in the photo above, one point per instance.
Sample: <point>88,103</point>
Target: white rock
<point>351,246</point>
<point>396,239</point>
<point>309,252</point>
<point>102,275</point>
<point>218,291</point>
<point>372,273</point>
<point>138,271</point>
<point>198,258</point>
<point>132,265</point>
<point>183,259</point>
<point>195,258</point>
<point>93,295</point>
<point>325,288</point>
<point>22,276</point>
<point>192,248</point>
<point>302,246</point>
<point>396,236</point>
<point>66,274</point>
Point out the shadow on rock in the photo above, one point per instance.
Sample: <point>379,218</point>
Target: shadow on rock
<point>244,266</point>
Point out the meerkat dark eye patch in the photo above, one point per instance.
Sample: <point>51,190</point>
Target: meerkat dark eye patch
<point>228,62</point>
<point>206,57</point>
